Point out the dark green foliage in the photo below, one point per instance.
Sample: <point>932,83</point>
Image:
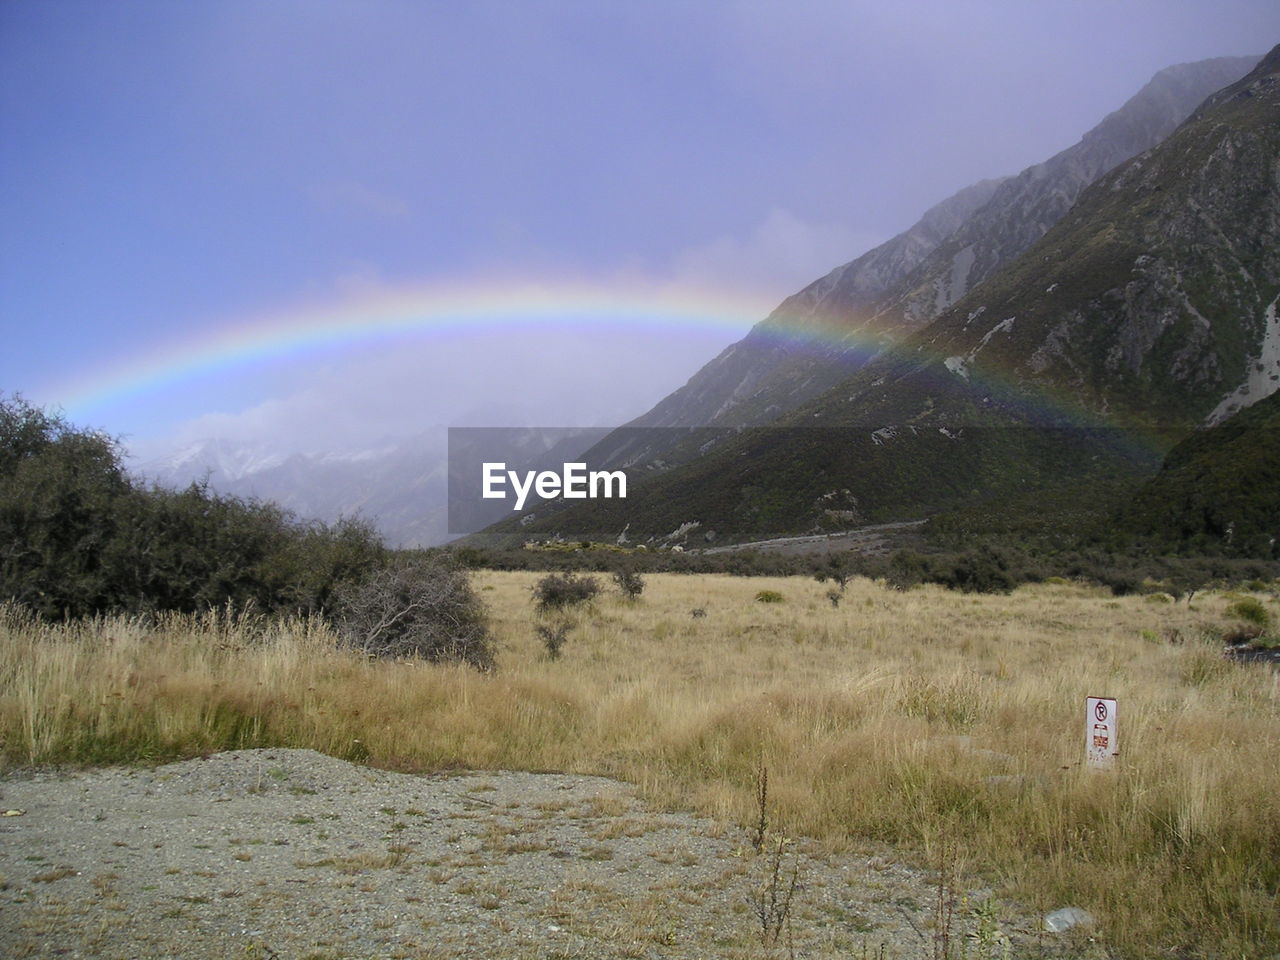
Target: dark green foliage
<point>417,606</point>
<point>629,582</point>
<point>906,569</point>
<point>558,590</point>
<point>58,491</point>
<point>1218,491</point>
<point>741,563</point>
<point>983,569</point>
<point>840,568</point>
<point>78,536</point>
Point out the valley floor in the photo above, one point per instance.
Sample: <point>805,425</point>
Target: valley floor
<point>947,728</point>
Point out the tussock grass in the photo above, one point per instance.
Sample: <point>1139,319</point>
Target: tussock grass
<point>922,718</point>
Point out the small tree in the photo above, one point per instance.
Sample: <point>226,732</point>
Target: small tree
<point>838,569</point>
<point>629,582</point>
<point>553,636</point>
<point>423,607</point>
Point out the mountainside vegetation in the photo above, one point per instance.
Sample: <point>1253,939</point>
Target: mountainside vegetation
<point>1218,491</point>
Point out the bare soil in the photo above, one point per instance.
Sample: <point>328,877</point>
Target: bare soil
<point>289,853</point>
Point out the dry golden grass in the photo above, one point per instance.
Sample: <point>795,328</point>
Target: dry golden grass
<point>880,719</point>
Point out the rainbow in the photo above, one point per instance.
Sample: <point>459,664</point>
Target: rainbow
<point>452,311</point>
<point>431,311</point>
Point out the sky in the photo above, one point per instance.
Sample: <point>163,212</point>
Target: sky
<point>322,223</point>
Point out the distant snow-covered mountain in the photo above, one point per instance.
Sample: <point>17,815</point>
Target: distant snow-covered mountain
<point>398,485</point>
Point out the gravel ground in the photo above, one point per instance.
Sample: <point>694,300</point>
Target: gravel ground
<point>292,854</point>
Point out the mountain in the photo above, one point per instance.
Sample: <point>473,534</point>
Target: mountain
<point>1218,490</point>
<point>1146,311</point>
<point>831,328</point>
<point>399,484</point>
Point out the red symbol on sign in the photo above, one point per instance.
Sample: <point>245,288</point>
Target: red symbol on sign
<point>1100,710</point>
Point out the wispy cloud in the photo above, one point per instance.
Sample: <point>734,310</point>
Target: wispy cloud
<point>776,257</point>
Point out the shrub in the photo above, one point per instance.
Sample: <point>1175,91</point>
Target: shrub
<point>60,493</point>
<point>698,613</point>
<point>837,567</point>
<point>629,582</point>
<point>1121,584</point>
<point>79,537</point>
<point>1250,610</point>
<point>769,596</point>
<point>417,607</point>
<point>984,570</point>
<point>553,636</point>
<point>559,590</point>
<point>906,569</point>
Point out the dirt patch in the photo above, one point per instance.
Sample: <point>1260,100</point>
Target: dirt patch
<point>289,853</point>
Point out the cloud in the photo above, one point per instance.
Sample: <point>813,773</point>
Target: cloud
<point>776,257</point>
<point>549,376</point>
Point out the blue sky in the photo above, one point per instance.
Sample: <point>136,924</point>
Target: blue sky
<point>169,169</point>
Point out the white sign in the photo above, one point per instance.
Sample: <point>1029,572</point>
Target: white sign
<point>1100,744</point>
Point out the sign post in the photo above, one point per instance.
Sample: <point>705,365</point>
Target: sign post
<point>1101,745</point>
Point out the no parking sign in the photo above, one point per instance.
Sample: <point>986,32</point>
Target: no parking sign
<point>1100,744</point>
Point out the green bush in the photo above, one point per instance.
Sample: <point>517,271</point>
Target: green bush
<point>1250,610</point>
<point>984,570</point>
<point>837,567</point>
<point>769,596</point>
<point>79,537</point>
<point>553,636</point>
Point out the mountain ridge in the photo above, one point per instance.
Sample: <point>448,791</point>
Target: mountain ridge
<point>860,307</point>
<point>1142,308</point>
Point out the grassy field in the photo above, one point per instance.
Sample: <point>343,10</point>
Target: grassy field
<point>921,718</point>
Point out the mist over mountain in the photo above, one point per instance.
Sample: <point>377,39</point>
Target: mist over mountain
<point>1146,311</point>
<point>398,484</point>
<point>401,485</point>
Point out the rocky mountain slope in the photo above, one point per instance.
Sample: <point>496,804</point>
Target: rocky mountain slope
<point>859,308</point>
<point>1146,311</point>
